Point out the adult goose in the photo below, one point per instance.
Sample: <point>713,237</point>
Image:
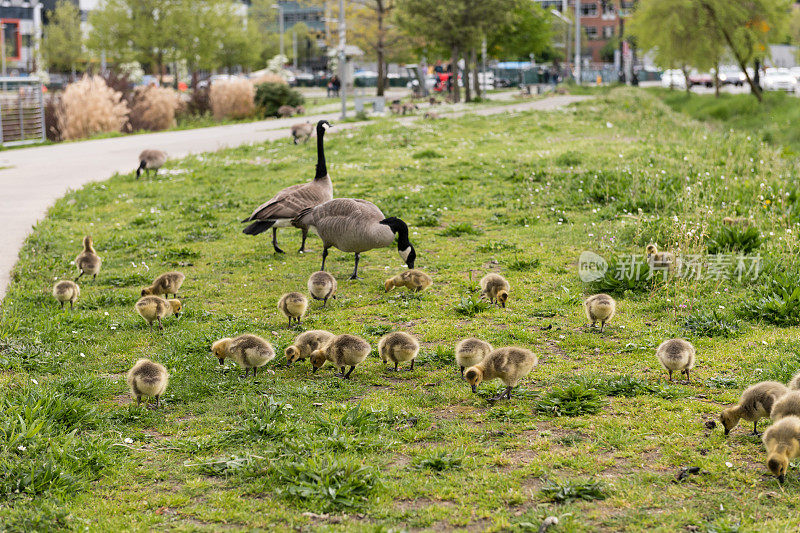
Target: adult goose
<point>354,225</point>
<point>278,211</point>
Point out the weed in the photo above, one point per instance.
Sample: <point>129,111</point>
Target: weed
<point>497,246</point>
<point>471,305</point>
<point>523,264</point>
<point>574,490</point>
<point>734,239</point>
<point>711,325</point>
<point>573,400</point>
<point>462,228</point>
<point>439,460</point>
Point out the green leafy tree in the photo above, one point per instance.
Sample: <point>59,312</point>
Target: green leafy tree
<point>239,45</point>
<point>62,42</point>
<point>526,30</point>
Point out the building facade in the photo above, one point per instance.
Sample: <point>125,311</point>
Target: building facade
<point>21,22</point>
<point>602,22</point>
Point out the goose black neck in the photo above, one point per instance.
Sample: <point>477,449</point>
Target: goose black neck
<point>322,169</point>
<point>402,236</point>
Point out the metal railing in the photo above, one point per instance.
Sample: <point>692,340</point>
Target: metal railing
<point>21,111</point>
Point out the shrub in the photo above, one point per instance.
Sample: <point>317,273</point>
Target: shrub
<point>199,102</point>
<point>439,460</point>
<point>734,239</point>
<point>270,96</point>
<point>51,126</point>
<point>332,483</point>
<point>270,77</point>
<point>153,108</point>
<point>471,305</point>
<point>232,98</point>
<point>711,325</point>
<point>573,400</point>
<point>779,302</point>
<point>89,106</point>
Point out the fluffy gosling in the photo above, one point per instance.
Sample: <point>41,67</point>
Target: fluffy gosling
<point>794,384</point>
<point>755,403</point>
<point>322,285</point>
<point>342,351</point>
<point>495,287</point>
<point>664,261</point>
<point>307,343</point>
<point>154,308</point>
<point>676,354</point>
<point>166,284</point>
<point>293,305</point>
<point>787,405</point>
<point>509,364</point>
<point>302,132</point>
<point>470,352</point>
<point>600,307</point>
<point>66,291</point>
<point>398,347</point>
<point>249,351</point>
<point>782,441</point>
<point>147,378</point>
<point>88,262</point>
<point>413,280</point>
<point>151,160</point>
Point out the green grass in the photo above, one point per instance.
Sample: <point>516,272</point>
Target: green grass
<point>593,435</point>
<point>773,121</point>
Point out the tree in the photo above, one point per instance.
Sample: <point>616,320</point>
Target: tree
<point>526,30</point>
<point>62,43</point>
<point>238,45</point>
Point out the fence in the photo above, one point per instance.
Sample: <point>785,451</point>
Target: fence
<point>21,111</point>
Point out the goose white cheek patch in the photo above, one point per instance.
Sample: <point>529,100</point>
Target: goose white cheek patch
<point>405,253</point>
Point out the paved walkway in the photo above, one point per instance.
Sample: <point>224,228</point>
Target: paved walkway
<point>31,179</point>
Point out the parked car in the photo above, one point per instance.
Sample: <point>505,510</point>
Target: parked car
<point>673,78</point>
<point>731,75</point>
<point>779,79</point>
<point>796,73</point>
<point>502,82</point>
<point>701,78</point>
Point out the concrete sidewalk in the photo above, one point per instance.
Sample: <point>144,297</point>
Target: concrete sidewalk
<point>31,179</point>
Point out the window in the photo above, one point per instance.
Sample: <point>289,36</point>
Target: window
<point>607,7</point>
<point>588,10</point>
<point>608,32</point>
<point>12,39</point>
<point>628,5</point>
<point>591,32</point>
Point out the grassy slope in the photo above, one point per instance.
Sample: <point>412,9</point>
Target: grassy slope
<point>775,120</point>
<point>542,187</point>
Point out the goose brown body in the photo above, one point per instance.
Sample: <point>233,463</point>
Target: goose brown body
<point>147,378</point>
<point>676,355</point>
<point>302,132</point>
<point>782,441</point>
<point>166,284</point>
<point>322,285</point>
<point>600,308</point>
<point>151,160</point>
<point>293,305</point>
<point>413,280</point>
<point>509,364</point>
<point>342,351</point>
<point>471,351</point>
<point>155,308</point>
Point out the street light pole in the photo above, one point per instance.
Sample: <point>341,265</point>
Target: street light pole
<point>578,42</point>
<point>567,24</point>
<point>280,25</point>
<point>294,48</point>
<point>342,59</point>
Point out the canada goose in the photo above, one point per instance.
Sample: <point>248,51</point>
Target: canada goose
<point>293,305</point>
<point>300,110</point>
<point>166,284</point>
<point>322,285</point>
<point>413,280</point>
<point>280,210</point>
<point>306,343</point>
<point>410,107</point>
<point>659,260</point>
<point>353,225</point>
<point>676,354</point>
<point>66,291</point>
<point>509,364</point>
<point>286,111</point>
<point>787,405</point>
<point>302,132</point>
<point>398,347</point>
<point>470,352</point>
<point>88,262</point>
<point>147,378</point>
<point>430,115</point>
<point>154,308</point>
<point>600,307</point>
<point>433,101</point>
<point>782,441</point>
<point>495,288</point>
<point>755,403</point>
<point>249,351</point>
<point>151,160</point>
<point>794,384</point>
<point>342,351</point>
<point>736,221</point>
<point>396,108</point>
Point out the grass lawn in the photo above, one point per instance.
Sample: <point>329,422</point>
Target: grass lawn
<point>594,435</point>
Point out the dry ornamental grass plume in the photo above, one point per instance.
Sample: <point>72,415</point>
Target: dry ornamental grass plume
<point>270,77</point>
<point>233,98</point>
<point>89,106</point>
<point>153,108</point>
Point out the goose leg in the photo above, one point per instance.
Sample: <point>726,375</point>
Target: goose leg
<point>670,376</point>
<point>303,244</point>
<point>62,305</point>
<point>462,372</point>
<point>347,376</point>
<point>755,429</point>
<point>355,268</point>
<point>79,276</point>
<point>602,326</point>
<point>158,401</point>
<point>324,256</point>
<point>275,241</point>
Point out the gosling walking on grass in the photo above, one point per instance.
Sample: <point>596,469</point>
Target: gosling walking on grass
<point>147,378</point>
<point>755,403</point>
<point>249,351</point>
<point>307,343</point>
<point>413,280</point>
<point>600,308</point>
<point>398,347</point>
<point>322,285</point>
<point>676,354</point>
<point>155,308</point>
<point>509,364</point>
<point>66,291</point>
<point>166,284</point>
<point>782,441</point>
<point>293,305</point>
<point>470,352</point>
<point>342,351</point>
<point>495,288</point>
<point>88,262</point>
